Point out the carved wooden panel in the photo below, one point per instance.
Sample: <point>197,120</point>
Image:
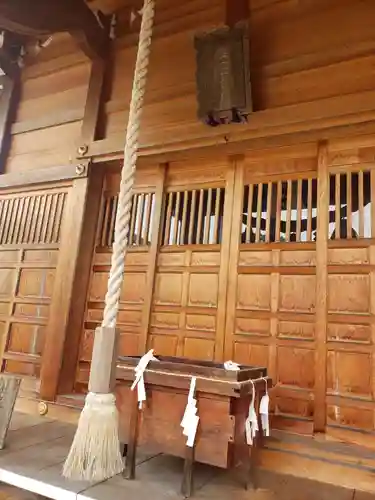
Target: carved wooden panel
<point>185,303</point>
<point>31,219</point>
<point>272,302</point>
<point>30,229</point>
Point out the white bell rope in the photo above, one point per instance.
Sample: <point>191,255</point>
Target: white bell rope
<point>95,452</point>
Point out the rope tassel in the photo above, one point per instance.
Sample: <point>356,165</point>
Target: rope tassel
<point>95,452</point>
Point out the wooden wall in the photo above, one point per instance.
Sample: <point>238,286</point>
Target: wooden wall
<point>293,294</point>
<point>230,288</point>
<point>310,60</point>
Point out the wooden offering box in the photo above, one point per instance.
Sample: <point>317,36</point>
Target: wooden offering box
<point>223,399</point>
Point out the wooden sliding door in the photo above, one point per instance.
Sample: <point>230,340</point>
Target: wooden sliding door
<point>190,290</point>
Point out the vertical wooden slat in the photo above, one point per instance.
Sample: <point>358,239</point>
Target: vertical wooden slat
<point>4,220</point>
<point>259,212</point>
<point>200,216</point>
<point>47,214</point>
<point>268,215</point>
<point>208,218</point>
<point>168,219</point>
<point>288,210</point>
<point>278,210</point>
<point>12,221</point>
<point>147,221</point>
<point>139,220</point>
<point>349,221</point>
<point>249,221</point>
<point>299,209</point>
<point>192,216</point>
<point>309,210</point>
<point>51,216</point>
<point>106,214</point>
<point>19,217</point>
<point>337,207</point>
<point>184,217</point>
<point>24,218</point>
<point>176,218</point>
<point>111,229</point>
<point>321,291</point>
<point>28,225</point>
<point>163,225</point>
<point>133,219</point>
<point>361,205</point>
<point>59,216</point>
<point>215,238</point>
<point>40,219</point>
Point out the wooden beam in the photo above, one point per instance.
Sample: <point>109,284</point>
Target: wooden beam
<point>81,278</point>
<point>152,256</point>
<point>41,176</point>
<point>46,17</point>
<point>320,390</point>
<point>84,246</point>
<point>313,121</point>
<point>93,102</point>
<point>236,11</point>
<point>9,99</point>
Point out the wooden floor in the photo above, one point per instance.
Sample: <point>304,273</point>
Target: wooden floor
<point>37,446</point>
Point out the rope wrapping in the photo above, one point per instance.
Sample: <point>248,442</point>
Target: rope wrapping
<point>122,223</point>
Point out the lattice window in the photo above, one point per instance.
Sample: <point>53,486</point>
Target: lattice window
<point>34,219</point>
<point>350,207</point>
<point>193,217</point>
<point>282,211</point>
<point>140,233</point>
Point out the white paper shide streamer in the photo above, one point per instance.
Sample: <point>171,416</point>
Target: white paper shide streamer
<point>231,366</point>
<point>139,381</point>
<point>264,411</point>
<point>251,424</point>
<point>190,419</point>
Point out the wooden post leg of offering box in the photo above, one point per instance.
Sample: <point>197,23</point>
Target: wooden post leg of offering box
<point>131,445</point>
<point>199,411</point>
<point>249,453</point>
<point>187,486</point>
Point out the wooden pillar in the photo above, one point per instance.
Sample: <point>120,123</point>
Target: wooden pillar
<point>9,99</point>
<point>321,290</point>
<point>64,326</point>
<point>74,325</point>
<point>152,260</point>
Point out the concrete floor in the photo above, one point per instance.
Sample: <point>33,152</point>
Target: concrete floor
<point>36,448</point>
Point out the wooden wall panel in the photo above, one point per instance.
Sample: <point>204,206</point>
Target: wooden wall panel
<point>29,250</point>
<point>138,280</point>
<point>53,93</point>
<point>284,73</point>
<point>272,288</point>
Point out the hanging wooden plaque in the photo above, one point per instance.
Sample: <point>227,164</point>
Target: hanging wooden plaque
<point>223,75</point>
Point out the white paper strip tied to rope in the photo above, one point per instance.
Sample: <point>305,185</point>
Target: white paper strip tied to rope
<point>231,366</point>
<point>190,420</point>
<point>264,411</point>
<point>139,381</point>
<point>251,424</point>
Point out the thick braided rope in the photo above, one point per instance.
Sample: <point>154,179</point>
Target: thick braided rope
<point>130,159</point>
